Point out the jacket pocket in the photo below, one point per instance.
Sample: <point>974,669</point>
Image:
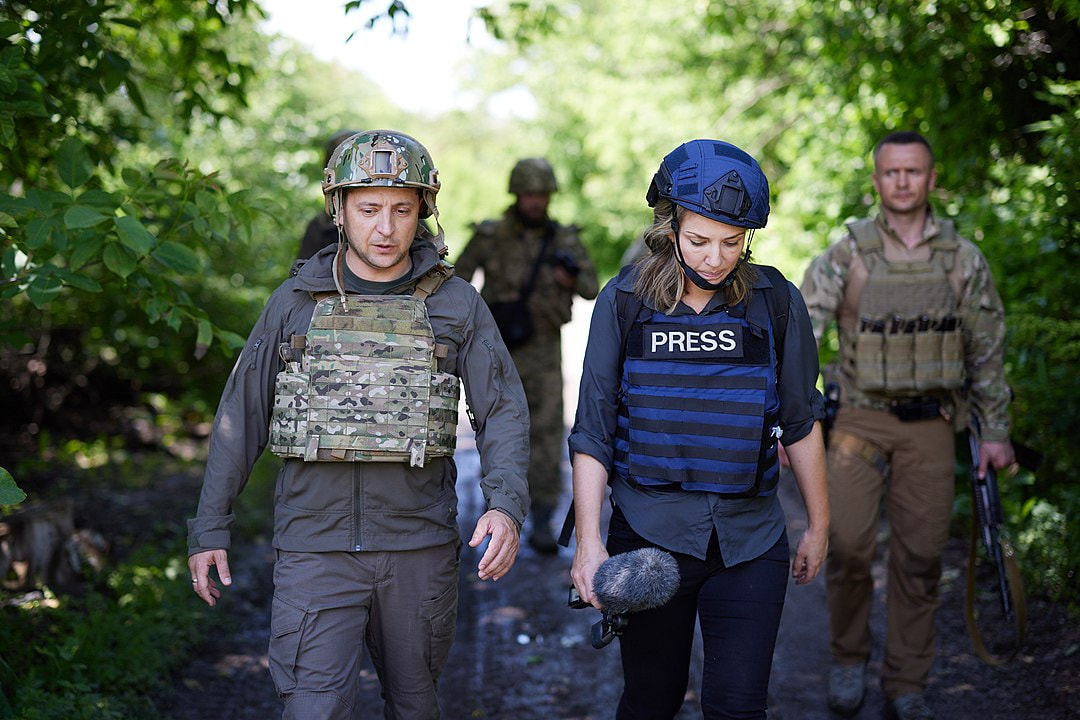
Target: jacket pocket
<point>287,623</point>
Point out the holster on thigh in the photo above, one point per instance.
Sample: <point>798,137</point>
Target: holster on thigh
<point>840,441</point>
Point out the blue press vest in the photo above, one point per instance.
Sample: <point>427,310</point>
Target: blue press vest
<point>698,405</point>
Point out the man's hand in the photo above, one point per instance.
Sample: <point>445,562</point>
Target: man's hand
<point>502,550</point>
<point>564,278</point>
<point>1000,454</point>
<point>201,582</point>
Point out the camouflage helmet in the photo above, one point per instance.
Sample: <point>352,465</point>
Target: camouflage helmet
<point>714,179</point>
<point>533,176</point>
<point>333,141</point>
<point>381,158</point>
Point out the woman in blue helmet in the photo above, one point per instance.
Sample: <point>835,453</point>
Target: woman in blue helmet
<point>698,363</point>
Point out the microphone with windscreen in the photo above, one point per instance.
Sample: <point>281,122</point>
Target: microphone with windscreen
<point>628,583</point>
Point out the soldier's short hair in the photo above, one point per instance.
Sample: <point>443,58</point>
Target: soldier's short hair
<point>904,137</point>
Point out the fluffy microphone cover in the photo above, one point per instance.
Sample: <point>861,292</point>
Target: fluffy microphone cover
<point>636,580</point>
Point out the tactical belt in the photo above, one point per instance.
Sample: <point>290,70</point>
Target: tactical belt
<point>915,409</point>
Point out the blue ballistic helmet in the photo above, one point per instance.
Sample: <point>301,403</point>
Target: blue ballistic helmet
<point>715,179</point>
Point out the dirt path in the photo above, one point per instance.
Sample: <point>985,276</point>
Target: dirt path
<point>521,654</point>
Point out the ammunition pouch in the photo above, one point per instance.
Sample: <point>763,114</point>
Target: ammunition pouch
<point>914,355</point>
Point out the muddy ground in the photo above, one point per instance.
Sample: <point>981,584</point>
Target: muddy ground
<point>521,654</point>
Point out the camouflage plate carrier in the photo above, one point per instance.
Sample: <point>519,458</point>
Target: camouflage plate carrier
<point>363,385</point>
<point>909,338</point>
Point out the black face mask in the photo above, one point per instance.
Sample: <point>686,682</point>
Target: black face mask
<point>692,274</point>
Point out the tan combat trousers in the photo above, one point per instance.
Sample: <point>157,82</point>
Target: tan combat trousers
<point>917,496</point>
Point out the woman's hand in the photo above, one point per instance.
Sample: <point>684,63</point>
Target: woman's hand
<point>810,555</point>
<point>588,556</point>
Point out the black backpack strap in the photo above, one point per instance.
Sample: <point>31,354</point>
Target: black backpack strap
<point>778,301</point>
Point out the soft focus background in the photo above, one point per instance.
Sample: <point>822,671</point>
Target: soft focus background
<point>159,162</point>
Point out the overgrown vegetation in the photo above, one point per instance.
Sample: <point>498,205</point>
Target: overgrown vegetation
<point>154,185</point>
<point>103,653</point>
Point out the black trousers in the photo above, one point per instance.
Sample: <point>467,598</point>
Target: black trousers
<point>739,609</point>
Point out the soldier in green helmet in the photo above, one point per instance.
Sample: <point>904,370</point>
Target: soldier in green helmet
<point>921,332</point>
<point>352,375</point>
<point>533,267</point>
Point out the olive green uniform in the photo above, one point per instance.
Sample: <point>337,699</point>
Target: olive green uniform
<point>506,249</point>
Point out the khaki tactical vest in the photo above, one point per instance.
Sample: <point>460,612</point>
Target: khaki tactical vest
<point>908,338</point>
<point>363,384</point>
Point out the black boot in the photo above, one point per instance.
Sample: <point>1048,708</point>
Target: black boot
<point>541,539</point>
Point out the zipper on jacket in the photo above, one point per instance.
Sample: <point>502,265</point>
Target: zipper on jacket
<point>357,506</point>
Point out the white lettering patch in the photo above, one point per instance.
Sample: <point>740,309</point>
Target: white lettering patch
<point>694,341</point>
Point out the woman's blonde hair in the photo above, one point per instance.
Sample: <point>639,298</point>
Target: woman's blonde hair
<point>660,279</point>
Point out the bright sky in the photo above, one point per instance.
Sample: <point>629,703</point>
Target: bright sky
<point>439,33</point>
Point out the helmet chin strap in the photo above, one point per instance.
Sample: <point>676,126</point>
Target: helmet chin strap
<point>694,276</point>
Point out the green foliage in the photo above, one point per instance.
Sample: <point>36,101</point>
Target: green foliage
<point>102,653</point>
<point>10,494</point>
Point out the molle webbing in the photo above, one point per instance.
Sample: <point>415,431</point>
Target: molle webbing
<point>909,338</point>
<point>366,387</point>
<point>698,406</point>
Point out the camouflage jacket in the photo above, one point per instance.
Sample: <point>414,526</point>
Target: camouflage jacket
<point>323,507</point>
<point>827,289</point>
<point>506,250</point>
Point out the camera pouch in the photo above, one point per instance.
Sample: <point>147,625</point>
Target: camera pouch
<point>514,320</point>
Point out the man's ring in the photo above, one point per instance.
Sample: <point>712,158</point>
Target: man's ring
<point>195,581</point>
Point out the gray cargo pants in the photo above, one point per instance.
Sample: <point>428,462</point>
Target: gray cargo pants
<point>327,606</point>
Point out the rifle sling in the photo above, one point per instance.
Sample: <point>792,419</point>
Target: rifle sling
<point>1016,590</point>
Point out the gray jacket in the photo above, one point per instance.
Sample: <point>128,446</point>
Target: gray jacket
<point>321,507</point>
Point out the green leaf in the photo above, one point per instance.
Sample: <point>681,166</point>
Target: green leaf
<point>119,259</point>
<point>7,221</point>
<point>177,257</point>
<point>45,200</point>
<point>205,201</point>
<point>85,250</point>
<point>7,29</point>
<point>100,199</point>
<point>173,318</point>
<point>10,494</point>
<point>204,338</point>
<point>73,163</point>
<point>43,289</point>
<point>83,216</point>
<point>155,307</point>
<point>38,232</point>
<point>78,280</point>
<point>132,177</point>
<point>231,340</point>
<point>134,235</point>
<point>7,130</point>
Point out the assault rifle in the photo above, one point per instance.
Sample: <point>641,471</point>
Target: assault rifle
<point>987,519</point>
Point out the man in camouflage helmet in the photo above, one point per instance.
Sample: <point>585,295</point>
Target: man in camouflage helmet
<point>321,230</point>
<point>533,267</point>
<point>921,331</point>
<point>351,374</point>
